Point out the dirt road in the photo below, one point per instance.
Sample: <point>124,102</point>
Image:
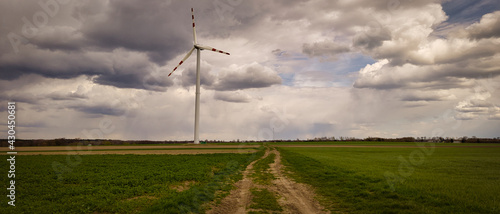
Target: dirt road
<point>296,197</point>
<point>293,197</point>
<point>239,199</point>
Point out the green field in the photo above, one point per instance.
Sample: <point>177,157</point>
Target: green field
<point>97,148</point>
<point>122,183</point>
<point>400,180</point>
<point>426,179</point>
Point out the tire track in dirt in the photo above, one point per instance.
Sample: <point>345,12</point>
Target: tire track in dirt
<point>240,198</point>
<point>293,197</point>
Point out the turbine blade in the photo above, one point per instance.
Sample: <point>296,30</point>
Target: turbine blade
<point>182,61</point>
<point>211,49</point>
<point>194,28</point>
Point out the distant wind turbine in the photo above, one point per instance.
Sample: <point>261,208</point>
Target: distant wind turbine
<point>198,48</point>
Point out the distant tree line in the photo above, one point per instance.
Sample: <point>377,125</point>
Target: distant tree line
<point>463,139</point>
<point>95,142</point>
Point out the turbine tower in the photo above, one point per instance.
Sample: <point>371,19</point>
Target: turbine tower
<point>198,48</point>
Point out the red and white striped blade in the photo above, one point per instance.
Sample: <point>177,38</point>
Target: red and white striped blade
<point>203,47</point>
<point>182,61</point>
<point>194,28</point>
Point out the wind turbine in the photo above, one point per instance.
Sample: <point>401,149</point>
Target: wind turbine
<point>198,48</point>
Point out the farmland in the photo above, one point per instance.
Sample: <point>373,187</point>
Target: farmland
<point>347,177</point>
<point>363,180</point>
<point>123,183</point>
<point>135,149</point>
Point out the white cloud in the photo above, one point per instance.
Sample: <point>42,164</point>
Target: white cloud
<point>235,97</point>
<point>488,27</point>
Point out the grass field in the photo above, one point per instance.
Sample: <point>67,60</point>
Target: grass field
<point>122,183</point>
<point>400,180</point>
<point>427,178</point>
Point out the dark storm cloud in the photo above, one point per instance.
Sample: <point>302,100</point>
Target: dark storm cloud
<point>36,98</point>
<point>21,98</point>
<point>372,38</point>
<point>51,64</point>
<point>67,96</point>
<point>139,80</point>
<point>100,110</point>
<point>136,75</point>
<point>120,80</point>
<point>157,82</point>
<point>252,76</point>
<point>150,26</point>
<point>422,97</point>
<point>249,76</point>
<point>62,38</point>
<point>119,68</point>
<point>107,42</point>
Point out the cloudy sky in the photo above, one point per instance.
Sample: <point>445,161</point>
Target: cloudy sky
<point>305,68</point>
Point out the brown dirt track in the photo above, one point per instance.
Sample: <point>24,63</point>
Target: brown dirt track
<point>293,197</point>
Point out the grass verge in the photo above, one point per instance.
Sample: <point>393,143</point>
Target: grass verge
<point>261,173</point>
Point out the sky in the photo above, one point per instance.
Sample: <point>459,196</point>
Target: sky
<point>298,69</point>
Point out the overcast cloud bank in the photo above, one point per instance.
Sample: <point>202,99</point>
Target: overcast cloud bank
<point>305,68</point>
